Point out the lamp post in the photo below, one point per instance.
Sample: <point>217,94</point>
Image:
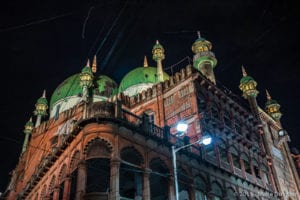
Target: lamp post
<point>205,140</point>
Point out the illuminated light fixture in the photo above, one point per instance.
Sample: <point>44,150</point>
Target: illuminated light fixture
<point>182,127</point>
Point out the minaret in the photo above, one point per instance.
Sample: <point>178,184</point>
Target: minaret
<point>86,80</point>
<point>158,53</point>
<point>94,65</point>
<point>27,131</point>
<point>272,108</point>
<point>204,59</point>
<point>248,87</point>
<point>41,107</point>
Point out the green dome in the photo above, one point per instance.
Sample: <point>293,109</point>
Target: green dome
<point>271,102</point>
<point>246,79</point>
<point>42,100</point>
<point>104,86</point>
<point>140,75</point>
<point>87,70</point>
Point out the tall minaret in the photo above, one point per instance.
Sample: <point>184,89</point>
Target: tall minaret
<point>86,80</point>
<point>248,87</point>
<point>27,130</point>
<point>158,53</point>
<point>272,108</point>
<point>41,107</point>
<point>204,58</point>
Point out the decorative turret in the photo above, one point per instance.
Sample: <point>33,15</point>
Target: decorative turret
<point>248,85</point>
<point>204,58</point>
<point>158,53</point>
<point>94,65</point>
<point>27,130</point>
<point>41,107</point>
<point>272,107</point>
<point>86,80</point>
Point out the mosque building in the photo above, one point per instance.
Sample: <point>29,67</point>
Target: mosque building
<point>102,141</point>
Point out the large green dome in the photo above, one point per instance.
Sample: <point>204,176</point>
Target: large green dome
<point>104,86</point>
<point>140,75</point>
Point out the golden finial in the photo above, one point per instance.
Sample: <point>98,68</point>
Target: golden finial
<point>94,65</point>
<point>44,94</point>
<point>244,71</point>
<point>88,63</point>
<point>268,95</point>
<point>198,33</point>
<point>145,61</point>
<point>157,42</point>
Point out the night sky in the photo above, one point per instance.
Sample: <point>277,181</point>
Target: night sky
<point>44,42</point>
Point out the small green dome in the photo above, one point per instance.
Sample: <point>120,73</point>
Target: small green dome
<point>104,86</point>
<point>140,75</point>
<point>87,69</point>
<point>246,79</point>
<point>42,100</point>
<point>271,102</point>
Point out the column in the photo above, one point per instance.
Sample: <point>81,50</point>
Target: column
<point>81,180</point>
<point>114,179</point>
<point>146,180</point>
<point>56,193</point>
<point>67,187</point>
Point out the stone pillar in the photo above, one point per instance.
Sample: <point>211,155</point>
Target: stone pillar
<point>114,179</point>
<point>55,193</point>
<point>146,185</point>
<point>81,180</point>
<point>67,187</point>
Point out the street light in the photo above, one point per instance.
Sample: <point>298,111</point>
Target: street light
<point>205,140</point>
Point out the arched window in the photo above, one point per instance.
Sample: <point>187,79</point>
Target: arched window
<point>235,157</point>
<point>245,159</point>
<point>51,187</point>
<point>200,188</point>
<point>216,191</point>
<point>184,182</point>
<point>74,173</point>
<point>256,168</point>
<point>159,183</point>
<point>222,151</point>
<point>131,173</point>
<point>98,168</point>
<point>231,194</point>
<point>265,176</point>
<point>61,179</point>
<point>43,192</point>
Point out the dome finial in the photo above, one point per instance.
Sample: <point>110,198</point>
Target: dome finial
<point>94,65</point>
<point>88,63</point>
<point>244,71</point>
<point>145,61</point>
<point>268,95</point>
<point>157,42</point>
<point>198,33</point>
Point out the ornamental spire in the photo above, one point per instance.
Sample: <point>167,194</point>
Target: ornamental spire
<point>198,33</point>
<point>268,95</point>
<point>94,65</point>
<point>88,63</point>
<point>145,61</point>
<point>44,94</point>
<point>244,71</point>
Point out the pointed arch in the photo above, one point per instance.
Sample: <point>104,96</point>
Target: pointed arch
<point>131,155</point>
<point>216,191</point>
<point>74,160</point>
<point>98,147</point>
<point>160,174</point>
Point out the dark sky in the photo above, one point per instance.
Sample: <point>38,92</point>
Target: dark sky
<point>44,42</point>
